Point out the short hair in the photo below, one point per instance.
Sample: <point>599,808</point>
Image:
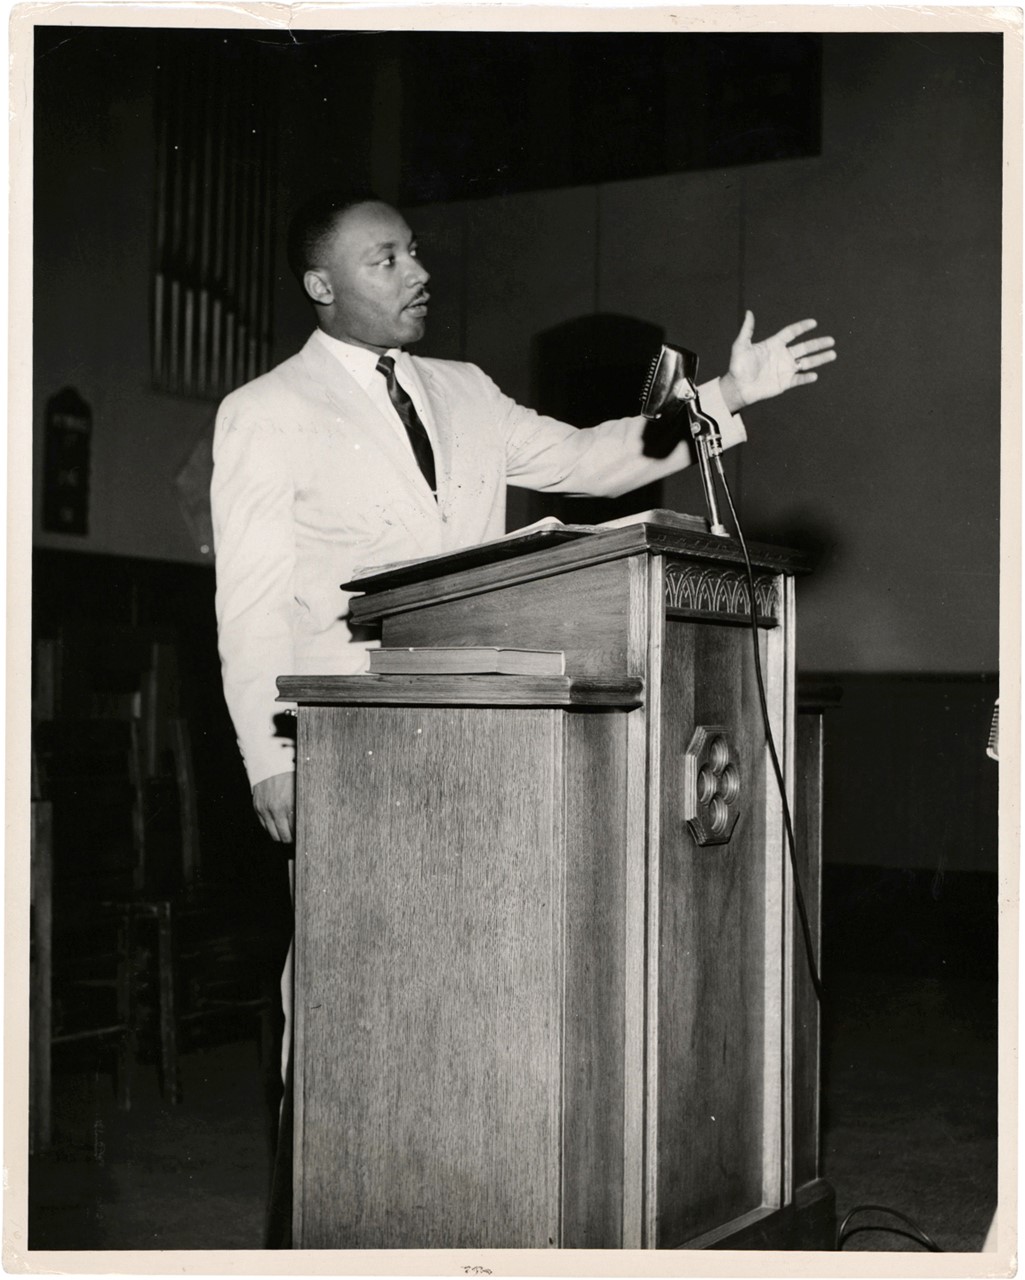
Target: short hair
<point>314,220</point>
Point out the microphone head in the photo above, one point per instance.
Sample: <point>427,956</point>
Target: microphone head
<point>670,380</point>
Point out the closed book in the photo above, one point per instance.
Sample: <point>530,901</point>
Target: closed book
<point>468,660</point>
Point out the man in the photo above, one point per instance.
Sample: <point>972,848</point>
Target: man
<point>336,460</point>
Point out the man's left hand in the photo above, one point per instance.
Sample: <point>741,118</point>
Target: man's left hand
<point>761,370</point>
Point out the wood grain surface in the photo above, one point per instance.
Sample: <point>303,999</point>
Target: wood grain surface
<point>460,690</point>
<point>430,978</point>
<point>531,1011</point>
<point>595,974</point>
<point>583,613</point>
<point>647,618</point>
<point>437,584</point>
<point>711,951</point>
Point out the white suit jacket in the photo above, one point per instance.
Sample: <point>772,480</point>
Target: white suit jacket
<point>310,483</point>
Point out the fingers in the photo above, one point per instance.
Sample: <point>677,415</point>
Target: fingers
<point>274,802</point>
<point>277,823</point>
<point>277,817</point>
<point>813,362</point>
<point>282,817</point>
<point>807,355</point>
<point>792,331</point>
<point>747,328</point>
<point>284,826</point>
<point>811,347</point>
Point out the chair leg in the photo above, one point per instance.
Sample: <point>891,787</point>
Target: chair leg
<point>168,1034</point>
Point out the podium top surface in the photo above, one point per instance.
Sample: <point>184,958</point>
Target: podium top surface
<point>551,546</point>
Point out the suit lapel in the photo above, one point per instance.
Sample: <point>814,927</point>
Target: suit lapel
<point>355,408</point>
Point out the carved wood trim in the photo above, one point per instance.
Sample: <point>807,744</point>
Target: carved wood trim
<point>719,590</point>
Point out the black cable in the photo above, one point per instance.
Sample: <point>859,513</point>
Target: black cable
<point>802,911</point>
<point>916,1233</point>
<point>890,1231</point>
<point>842,1234</point>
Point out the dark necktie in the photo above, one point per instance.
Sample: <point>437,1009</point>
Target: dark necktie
<point>410,420</point>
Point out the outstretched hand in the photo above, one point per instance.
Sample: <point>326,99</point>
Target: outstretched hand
<point>761,370</point>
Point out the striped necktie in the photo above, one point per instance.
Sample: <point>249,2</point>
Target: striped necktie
<point>410,420</point>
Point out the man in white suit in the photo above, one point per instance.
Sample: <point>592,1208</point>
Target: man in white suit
<point>336,460</point>
<point>354,453</point>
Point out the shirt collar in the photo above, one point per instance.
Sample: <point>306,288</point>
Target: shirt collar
<point>360,362</point>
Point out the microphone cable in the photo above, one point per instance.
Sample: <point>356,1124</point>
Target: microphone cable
<point>845,1231</point>
<point>802,911</point>
<point>914,1232</point>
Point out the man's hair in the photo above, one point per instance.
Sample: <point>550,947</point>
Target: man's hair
<point>314,220</point>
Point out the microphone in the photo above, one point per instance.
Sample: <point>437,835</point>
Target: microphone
<point>670,382</point>
<point>670,385</point>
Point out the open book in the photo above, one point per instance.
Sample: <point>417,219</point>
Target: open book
<point>550,529</point>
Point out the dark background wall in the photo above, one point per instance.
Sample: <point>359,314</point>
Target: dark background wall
<point>878,213</point>
<point>887,471</point>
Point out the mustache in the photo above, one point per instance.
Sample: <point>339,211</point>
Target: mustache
<point>422,296</point>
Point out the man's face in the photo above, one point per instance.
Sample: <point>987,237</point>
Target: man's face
<point>370,281</point>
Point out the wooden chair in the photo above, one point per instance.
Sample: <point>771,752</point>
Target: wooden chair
<point>92,746</point>
<point>80,970</point>
<point>120,831</point>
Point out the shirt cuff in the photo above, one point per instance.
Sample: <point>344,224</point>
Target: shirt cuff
<point>731,425</point>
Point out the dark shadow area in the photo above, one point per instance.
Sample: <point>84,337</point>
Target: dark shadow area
<point>909,1104</point>
<point>598,107</point>
<point>160,913</point>
<point>910,925</point>
<point>589,370</point>
<point>814,532</point>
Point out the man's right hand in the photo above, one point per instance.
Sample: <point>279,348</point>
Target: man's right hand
<point>274,802</point>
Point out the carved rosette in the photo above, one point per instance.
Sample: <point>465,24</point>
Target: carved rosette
<point>712,791</point>
<point>719,589</point>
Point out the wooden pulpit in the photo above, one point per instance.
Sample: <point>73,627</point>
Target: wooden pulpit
<point>550,985</point>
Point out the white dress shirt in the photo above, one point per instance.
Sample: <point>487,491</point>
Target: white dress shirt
<point>361,364</point>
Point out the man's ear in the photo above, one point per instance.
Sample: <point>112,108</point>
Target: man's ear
<point>318,288</point>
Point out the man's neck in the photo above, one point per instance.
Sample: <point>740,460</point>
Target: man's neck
<point>359,361</point>
<point>348,340</point>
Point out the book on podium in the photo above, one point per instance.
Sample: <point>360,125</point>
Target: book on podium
<point>467,660</point>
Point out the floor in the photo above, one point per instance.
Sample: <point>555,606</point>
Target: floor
<point>910,1107</point>
<point>192,1176</point>
<point>910,1121</point>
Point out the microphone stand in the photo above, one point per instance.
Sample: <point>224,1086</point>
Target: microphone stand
<point>671,382</point>
<point>708,445</point>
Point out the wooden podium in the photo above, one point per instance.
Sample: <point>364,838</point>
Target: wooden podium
<point>550,986</point>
